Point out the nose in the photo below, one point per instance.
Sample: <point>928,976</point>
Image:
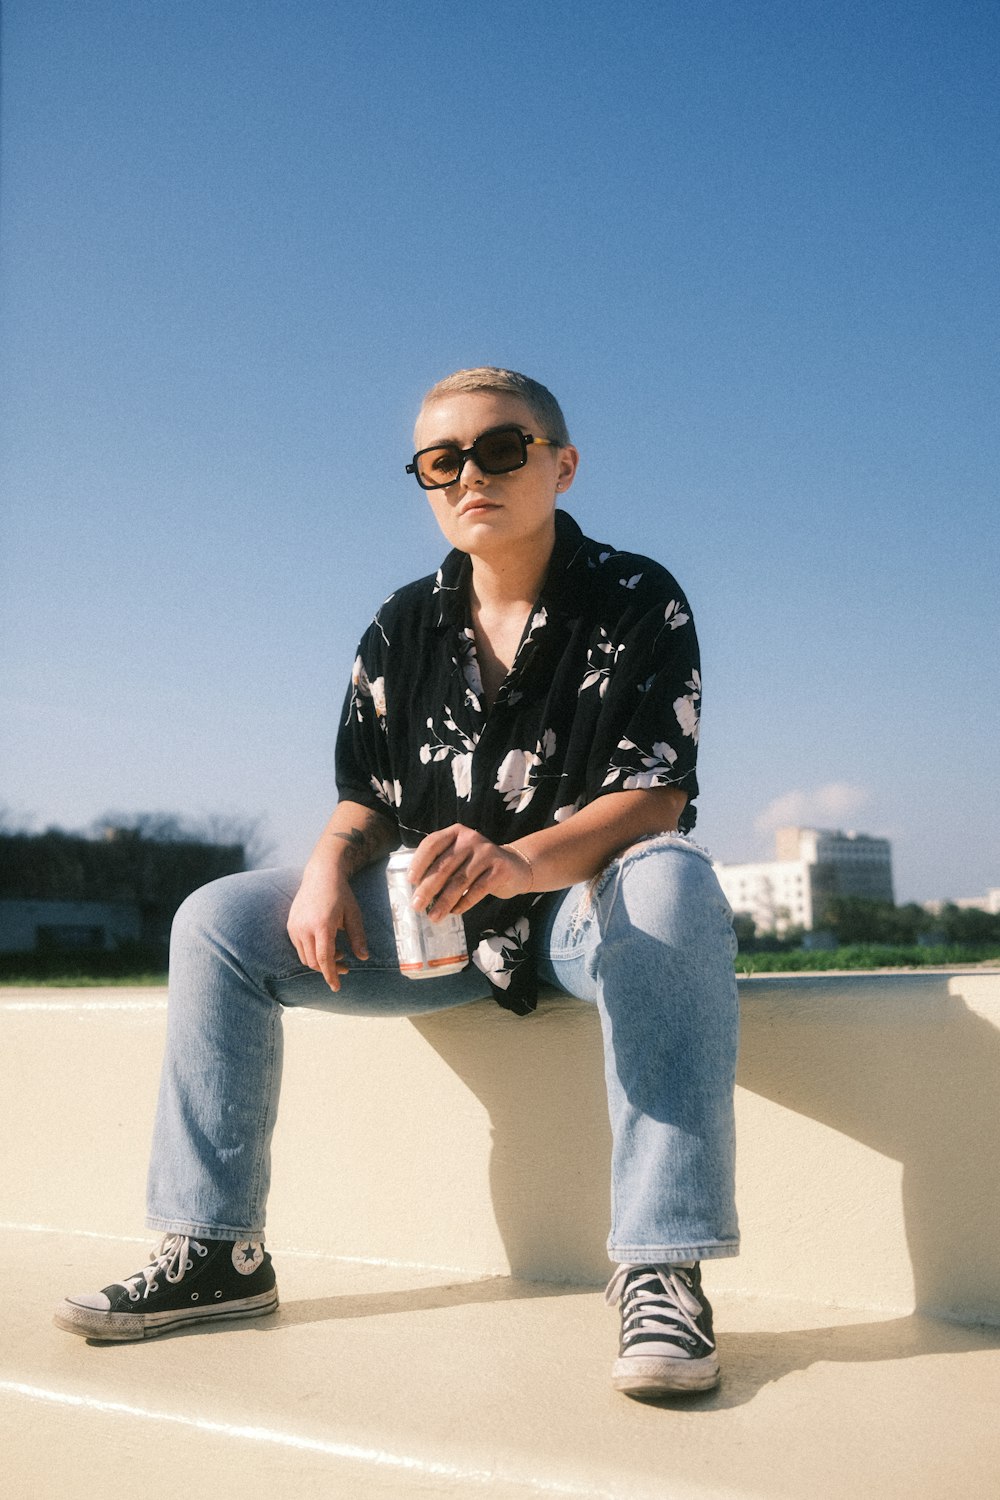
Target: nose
<point>477,476</point>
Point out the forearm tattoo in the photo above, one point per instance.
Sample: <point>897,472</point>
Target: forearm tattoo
<point>365,845</point>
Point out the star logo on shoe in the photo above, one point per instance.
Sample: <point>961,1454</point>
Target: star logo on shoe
<point>247,1256</point>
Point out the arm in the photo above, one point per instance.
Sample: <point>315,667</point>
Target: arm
<point>457,867</point>
<point>324,904</point>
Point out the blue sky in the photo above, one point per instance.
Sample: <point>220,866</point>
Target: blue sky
<point>751,246</point>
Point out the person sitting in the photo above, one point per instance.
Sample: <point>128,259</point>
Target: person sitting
<point>525,720</point>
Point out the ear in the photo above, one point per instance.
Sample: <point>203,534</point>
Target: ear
<point>569,458</point>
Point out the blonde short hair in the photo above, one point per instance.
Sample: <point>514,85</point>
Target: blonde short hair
<point>536,397</point>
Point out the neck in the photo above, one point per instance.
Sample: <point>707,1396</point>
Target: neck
<point>509,579</point>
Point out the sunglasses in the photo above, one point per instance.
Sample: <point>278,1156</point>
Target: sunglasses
<point>499,451</point>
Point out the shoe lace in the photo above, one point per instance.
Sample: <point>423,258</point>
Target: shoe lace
<point>171,1259</point>
<point>656,1296</point>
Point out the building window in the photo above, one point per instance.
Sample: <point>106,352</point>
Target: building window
<point>66,937</point>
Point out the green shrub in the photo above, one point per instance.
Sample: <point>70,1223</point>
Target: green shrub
<point>867,956</point>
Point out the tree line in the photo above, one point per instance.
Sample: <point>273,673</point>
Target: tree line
<point>854,919</point>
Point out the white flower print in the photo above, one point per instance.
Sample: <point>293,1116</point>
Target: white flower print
<point>389,792</point>
<point>599,671</point>
<point>641,769</point>
<point>364,688</point>
<point>538,622</point>
<point>467,662</point>
<point>673,618</point>
<point>440,587</point>
<point>460,748</point>
<point>630,583</point>
<point>686,707</point>
<point>514,779</point>
<point>516,776</point>
<point>562,813</point>
<point>461,770</point>
<point>500,953</point>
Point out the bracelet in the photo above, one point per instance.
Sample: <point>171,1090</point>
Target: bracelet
<point>522,856</point>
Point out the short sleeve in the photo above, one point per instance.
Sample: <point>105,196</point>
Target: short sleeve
<point>647,727</point>
<point>363,762</point>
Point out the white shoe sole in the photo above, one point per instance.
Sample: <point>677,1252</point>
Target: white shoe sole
<point>648,1377</point>
<point>123,1327</point>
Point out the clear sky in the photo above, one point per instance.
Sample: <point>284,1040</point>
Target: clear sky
<point>752,247</point>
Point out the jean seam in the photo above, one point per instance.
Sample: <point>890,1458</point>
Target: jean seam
<point>258,1214</point>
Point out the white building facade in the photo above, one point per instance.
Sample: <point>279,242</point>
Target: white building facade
<point>812,865</point>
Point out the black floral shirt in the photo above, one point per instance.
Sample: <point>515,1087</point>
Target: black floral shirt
<point>603,696</point>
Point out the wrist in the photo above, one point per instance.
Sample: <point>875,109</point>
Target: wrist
<point>526,861</point>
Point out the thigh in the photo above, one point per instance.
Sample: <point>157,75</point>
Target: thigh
<point>244,917</point>
<point>663,888</point>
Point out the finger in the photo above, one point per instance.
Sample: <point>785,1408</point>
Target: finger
<point>430,849</point>
<point>448,875</point>
<point>443,884</point>
<point>354,927</point>
<point>296,942</point>
<point>306,950</point>
<point>326,963</point>
<point>464,890</point>
<point>473,894</point>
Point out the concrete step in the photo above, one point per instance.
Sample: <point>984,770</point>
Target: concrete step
<point>379,1381</point>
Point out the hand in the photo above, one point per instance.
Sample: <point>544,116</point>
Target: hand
<point>325,906</point>
<point>456,867</point>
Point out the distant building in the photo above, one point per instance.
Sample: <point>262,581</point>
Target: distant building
<point>67,893</point>
<point>812,865</point>
<point>67,926</point>
<point>988,903</point>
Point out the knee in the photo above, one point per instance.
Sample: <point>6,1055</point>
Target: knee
<point>668,888</point>
<point>220,911</point>
<point>199,913</point>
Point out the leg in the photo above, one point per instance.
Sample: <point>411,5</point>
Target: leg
<point>653,945</point>
<point>232,969</point>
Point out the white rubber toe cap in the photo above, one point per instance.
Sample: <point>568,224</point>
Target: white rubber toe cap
<point>95,1301</point>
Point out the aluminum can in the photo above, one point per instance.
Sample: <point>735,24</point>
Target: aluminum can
<point>425,948</point>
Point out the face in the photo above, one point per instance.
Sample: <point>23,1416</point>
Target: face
<point>488,514</point>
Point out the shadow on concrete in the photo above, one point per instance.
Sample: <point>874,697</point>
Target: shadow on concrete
<point>551,1142</point>
<point>895,1062</point>
<point>753,1360</point>
<point>409,1300</point>
<point>914,1073</point>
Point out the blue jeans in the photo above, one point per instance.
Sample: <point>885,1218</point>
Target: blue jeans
<point>650,943</point>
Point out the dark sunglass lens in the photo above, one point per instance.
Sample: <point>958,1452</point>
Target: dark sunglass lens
<point>438,466</point>
<point>499,452</point>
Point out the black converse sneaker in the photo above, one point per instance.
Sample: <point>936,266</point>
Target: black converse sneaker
<point>187,1281</point>
<point>667,1343</point>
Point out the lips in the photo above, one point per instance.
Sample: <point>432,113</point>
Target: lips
<point>478,507</point>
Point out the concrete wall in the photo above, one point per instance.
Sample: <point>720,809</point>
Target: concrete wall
<point>869,1136</point>
<point>869,1141</point>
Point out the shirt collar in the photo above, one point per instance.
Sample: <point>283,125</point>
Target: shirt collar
<point>560,592</point>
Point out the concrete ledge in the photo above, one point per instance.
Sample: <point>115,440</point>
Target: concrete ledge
<point>869,1157</point>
